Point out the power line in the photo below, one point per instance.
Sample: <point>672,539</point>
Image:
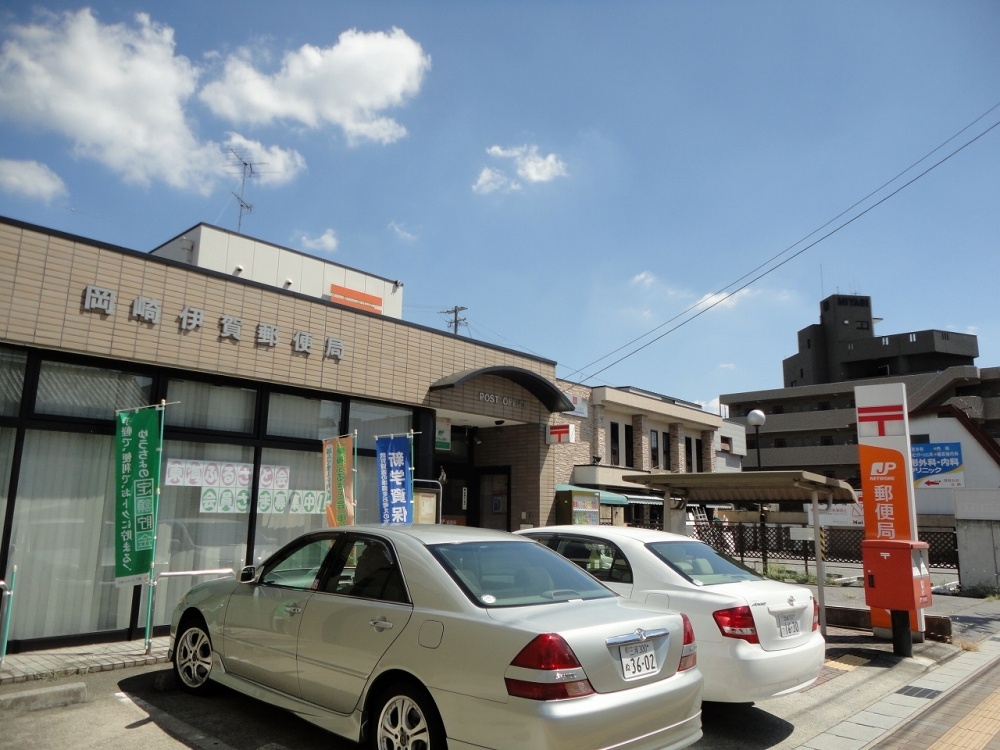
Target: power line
<point>798,242</point>
<point>726,295</point>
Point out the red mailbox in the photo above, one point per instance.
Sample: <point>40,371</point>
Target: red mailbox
<point>896,571</point>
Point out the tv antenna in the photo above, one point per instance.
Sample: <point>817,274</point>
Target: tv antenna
<point>248,172</point>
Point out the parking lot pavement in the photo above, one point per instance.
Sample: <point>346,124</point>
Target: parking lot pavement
<point>950,700</point>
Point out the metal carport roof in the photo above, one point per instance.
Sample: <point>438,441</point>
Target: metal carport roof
<point>784,487</point>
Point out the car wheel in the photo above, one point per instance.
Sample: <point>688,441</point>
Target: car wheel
<point>406,719</point>
<point>193,658</point>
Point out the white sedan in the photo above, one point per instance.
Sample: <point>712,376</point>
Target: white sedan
<point>757,638</point>
<point>434,637</point>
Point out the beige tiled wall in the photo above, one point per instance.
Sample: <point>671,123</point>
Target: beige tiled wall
<point>43,279</point>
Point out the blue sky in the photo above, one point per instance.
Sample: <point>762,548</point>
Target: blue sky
<point>578,175</point>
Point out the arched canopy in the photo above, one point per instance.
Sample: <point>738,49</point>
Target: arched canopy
<point>545,391</point>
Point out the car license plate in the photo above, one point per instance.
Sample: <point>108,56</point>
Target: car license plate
<point>638,660</point>
<point>789,625</point>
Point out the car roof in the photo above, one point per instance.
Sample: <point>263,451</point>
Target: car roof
<point>643,536</point>
<point>435,533</point>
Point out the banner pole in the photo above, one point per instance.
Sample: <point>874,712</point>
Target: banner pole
<point>7,610</point>
<point>161,408</point>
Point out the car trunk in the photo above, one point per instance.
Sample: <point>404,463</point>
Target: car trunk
<point>614,639</point>
<point>783,614</point>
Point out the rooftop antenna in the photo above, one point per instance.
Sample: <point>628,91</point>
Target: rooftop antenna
<point>248,172</point>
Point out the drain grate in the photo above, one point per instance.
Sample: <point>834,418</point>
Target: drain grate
<point>918,692</point>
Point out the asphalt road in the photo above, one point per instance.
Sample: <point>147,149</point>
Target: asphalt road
<point>142,709</point>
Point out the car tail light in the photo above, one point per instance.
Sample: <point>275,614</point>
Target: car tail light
<point>737,622</point>
<point>815,625</point>
<point>689,653</point>
<point>559,674</point>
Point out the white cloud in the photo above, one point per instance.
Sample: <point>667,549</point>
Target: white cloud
<point>727,366</point>
<point>30,179</point>
<point>711,406</point>
<point>724,300</point>
<point>348,85</point>
<point>325,243</point>
<point>402,233</point>
<point>644,278</point>
<point>490,181</point>
<point>529,164</point>
<point>116,92</point>
<point>120,94</point>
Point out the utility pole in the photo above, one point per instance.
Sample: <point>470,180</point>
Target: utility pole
<point>455,320</point>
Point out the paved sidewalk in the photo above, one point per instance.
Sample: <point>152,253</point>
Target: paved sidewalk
<point>63,662</point>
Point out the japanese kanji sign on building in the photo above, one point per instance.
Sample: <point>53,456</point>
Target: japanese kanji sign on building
<point>137,474</point>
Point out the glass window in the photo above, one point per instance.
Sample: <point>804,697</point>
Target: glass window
<point>614,443</point>
<point>77,391</point>
<point>599,557</point>
<point>12,366</point>
<point>300,568</point>
<point>7,436</point>
<point>506,574</point>
<point>368,570</point>
<point>210,407</point>
<point>366,509</point>
<point>654,449</point>
<point>63,538</point>
<point>203,516</point>
<point>629,447</point>
<point>701,563</point>
<point>295,416</point>
<point>291,499</point>
<point>371,420</point>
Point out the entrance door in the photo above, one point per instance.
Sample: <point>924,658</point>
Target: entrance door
<point>494,500</point>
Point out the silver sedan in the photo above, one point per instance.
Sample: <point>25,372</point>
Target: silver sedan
<point>757,638</point>
<point>427,637</point>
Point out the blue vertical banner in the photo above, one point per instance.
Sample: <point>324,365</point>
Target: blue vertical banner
<point>395,490</point>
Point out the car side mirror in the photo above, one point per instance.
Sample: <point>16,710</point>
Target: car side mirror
<point>248,574</point>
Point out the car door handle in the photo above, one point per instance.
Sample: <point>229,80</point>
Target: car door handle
<point>380,624</point>
<point>293,609</point>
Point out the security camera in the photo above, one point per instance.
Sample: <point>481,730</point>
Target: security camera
<point>288,283</point>
<point>239,269</point>
<point>397,284</point>
<point>498,422</point>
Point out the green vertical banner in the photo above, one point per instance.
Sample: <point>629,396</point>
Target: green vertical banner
<point>137,475</point>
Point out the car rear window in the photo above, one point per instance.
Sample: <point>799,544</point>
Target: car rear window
<point>513,574</point>
<point>702,564</point>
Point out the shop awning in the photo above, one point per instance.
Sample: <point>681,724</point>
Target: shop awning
<point>644,499</point>
<point>607,498</point>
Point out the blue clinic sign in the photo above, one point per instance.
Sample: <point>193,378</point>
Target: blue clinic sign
<point>395,490</point>
<point>937,465</point>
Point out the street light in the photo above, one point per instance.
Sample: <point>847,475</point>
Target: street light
<point>756,419</point>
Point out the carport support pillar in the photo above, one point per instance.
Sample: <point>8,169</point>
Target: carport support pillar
<point>820,565</point>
